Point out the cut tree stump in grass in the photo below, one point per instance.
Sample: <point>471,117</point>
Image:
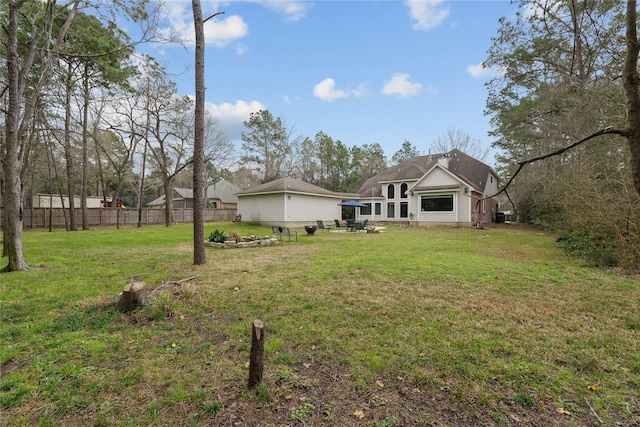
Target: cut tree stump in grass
<point>257,352</point>
<point>133,295</point>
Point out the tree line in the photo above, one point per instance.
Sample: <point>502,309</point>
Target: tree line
<point>84,113</point>
<point>565,115</point>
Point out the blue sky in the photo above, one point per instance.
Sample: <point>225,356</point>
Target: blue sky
<point>363,72</point>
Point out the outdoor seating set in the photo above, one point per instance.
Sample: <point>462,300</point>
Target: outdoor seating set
<point>349,225</point>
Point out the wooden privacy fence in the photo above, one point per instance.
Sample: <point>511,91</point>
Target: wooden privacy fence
<point>42,217</point>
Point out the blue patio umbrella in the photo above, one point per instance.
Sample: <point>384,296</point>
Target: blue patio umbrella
<point>353,203</point>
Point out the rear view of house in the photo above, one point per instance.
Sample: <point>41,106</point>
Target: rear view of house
<point>451,189</point>
<point>443,189</point>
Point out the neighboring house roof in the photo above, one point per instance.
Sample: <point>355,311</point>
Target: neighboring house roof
<point>223,190</point>
<point>290,185</point>
<point>466,168</point>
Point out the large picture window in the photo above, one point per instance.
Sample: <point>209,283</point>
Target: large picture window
<point>437,203</point>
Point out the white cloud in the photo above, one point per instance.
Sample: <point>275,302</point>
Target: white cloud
<point>401,86</point>
<point>224,32</point>
<point>293,10</point>
<point>360,91</point>
<point>326,90</point>
<point>231,116</point>
<point>427,14</point>
<point>479,71</point>
<point>220,31</point>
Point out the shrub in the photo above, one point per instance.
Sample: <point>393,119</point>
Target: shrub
<point>218,236</point>
<point>234,235</point>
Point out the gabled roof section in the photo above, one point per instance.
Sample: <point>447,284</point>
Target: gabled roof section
<point>223,190</point>
<point>290,185</point>
<point>185,193</point>
<point>473,172</point>
<point>408,170</point>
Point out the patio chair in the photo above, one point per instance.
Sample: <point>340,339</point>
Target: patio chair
<point>363,226</point>
<point>338,225</point>
<point>322,226</point>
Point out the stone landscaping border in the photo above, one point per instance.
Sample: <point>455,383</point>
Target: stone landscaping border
<point>247,242</point>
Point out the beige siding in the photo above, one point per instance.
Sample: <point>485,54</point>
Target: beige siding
<point>438,177</point>
<point>461,202</point>
<point>463,207</point>
<point>288,209</point>
<point>492,185</point>
<point>262,209</point>
<point>441,217</point>
<point>303,209</point>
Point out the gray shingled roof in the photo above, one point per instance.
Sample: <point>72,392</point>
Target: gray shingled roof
<point>223,190</point>
<point>465,167</point>
<point>290,185</point>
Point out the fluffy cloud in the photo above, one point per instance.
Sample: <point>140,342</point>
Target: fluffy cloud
<point>220,31</point>
<point>479,71</point>
<point>401,86</point>
<point>427,14</point>
<point>224,32</point>
<point>231,116</point>
<point>326,90</point>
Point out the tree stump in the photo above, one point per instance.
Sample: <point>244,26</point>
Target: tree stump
<point>257,352</point>
<point>133,295</point>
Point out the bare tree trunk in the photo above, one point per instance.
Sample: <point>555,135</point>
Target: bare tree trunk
<point>12,183</point>
<point>168,205</point>
<point>85,152</point>
<point>199,254</point>
<point>67,151</point>
<point>632,90</point>
<point>142,176</point>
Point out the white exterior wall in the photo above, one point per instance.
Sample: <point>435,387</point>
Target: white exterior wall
<point>288,209</point>
<point>441,217</point>
<point>492,186</point>
<point>262,208</point>
<point>461,202</point>
<point>464,206</point>
<point>302,209</point>
<point>438,176</point>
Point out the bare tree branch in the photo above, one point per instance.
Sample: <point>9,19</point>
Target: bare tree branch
<point>606,131</point>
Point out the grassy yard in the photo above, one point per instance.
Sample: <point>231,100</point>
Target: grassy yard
<point>407,327</point>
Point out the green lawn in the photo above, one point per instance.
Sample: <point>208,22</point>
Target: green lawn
<point>410,326</point>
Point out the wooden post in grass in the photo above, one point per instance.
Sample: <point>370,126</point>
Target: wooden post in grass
<point>133,295</point>
<point>257,351</point>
